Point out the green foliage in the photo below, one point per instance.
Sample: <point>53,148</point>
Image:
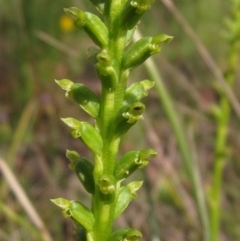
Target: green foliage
<point>91,24</point>
<point>77,211</point>
<point>126,234</point>
<point>115,112</point>
<point>131,161</point>
<point>143,49</point>
<point>83,169</point>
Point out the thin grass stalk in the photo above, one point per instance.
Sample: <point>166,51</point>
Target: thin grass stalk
<point>47,38</point>
<point>153,224</point>
<point>178,130</point>
<point>183,196</point>
<point>219,160</point>
<point>23,125</point>
<point>21,129</point>
<point>223,113</point>
<point>196,167</point>
<point>204,53</point>
<point>18,218</point>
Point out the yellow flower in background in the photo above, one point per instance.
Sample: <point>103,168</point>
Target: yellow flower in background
<point>66,23</point>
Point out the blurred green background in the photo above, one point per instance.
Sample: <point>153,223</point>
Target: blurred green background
<point>39,44</point>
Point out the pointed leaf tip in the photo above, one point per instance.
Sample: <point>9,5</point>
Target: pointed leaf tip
<point>61,202</point>
<point>72,123</point>
<point>72,12</point>
<point>162,39</point>
<point>65,84</point>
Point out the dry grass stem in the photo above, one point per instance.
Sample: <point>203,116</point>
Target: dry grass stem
<point>24,200</point>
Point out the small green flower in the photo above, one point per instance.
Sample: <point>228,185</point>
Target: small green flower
<point>134,113</point>
<point>106,184</point>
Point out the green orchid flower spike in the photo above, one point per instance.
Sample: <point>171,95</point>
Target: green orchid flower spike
<point>118,108</point>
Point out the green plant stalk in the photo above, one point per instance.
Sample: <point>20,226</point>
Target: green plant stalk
<point>117,110</point>
<point>221,143</point>
<point>178,131</point>
<point>111,102</point>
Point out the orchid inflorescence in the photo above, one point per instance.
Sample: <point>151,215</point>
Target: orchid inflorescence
<point>114,113</point>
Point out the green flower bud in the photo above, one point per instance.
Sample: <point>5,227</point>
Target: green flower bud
<point>143,49</point>
<point>127,117</point>
<point>91,24</point>
<point>104,61</point>
<point>133,11</point>
<point>132,235</point>
<point>87,133</point>
<point>105,70</point>
<point>118,235</point>
<point>132,108</point>
<point>87,100</point>
<point>84,170</point>
<point>134,113</point>
<point>134,186</point>
<point>106,184</point>
<point>145,155</point>
<point>131,161</point>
